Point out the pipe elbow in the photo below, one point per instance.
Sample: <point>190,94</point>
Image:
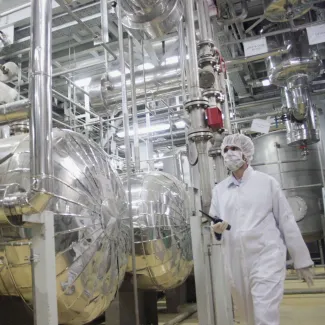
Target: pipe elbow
<point>15,202</point>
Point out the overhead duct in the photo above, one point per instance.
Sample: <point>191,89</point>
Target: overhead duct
<point>155,17</point>
<point>284,10</point>
<point>293,72</point>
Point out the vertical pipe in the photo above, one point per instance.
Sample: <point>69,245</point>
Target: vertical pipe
<point>104,23</point>
<point>204,20</point>
<point>193,77</point>
<point>127,156</point>
<point>41,95</point>
<point>226,110</point>
<point>182,56</point>
<point>205,176</point>
<point>134,107</point>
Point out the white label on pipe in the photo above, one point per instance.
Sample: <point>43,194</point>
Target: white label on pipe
<point>316,34</point>
<point>260,126</point>
<point>255,47</point>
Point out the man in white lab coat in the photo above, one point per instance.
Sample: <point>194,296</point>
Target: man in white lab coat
<point>263,227</point>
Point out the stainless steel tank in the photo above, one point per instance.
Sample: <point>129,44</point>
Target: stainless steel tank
<point>91,240</point>
<point>300,178</point>
<point>160,206</point>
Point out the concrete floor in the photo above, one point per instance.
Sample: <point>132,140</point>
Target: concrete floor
<point>295,309</point>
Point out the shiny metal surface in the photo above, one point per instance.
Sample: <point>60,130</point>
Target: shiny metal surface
<point>155,17</point>
<point>99,91</point>
<point>177,164</point>
<point>234,19</point>
<point>301,59</point>
<point>160,207</point>
<point>274,157</point>
<point>283,10</point>
<point>91,237</point>
<point>15,111</point>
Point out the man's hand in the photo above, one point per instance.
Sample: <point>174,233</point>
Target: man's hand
<point>220,227</point>
<point>307,275</point>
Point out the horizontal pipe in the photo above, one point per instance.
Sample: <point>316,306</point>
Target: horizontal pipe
<point>302,187</point>
<point>188,313</point>
<point>251,118</point>
<point>16,111</point>
<point>304,291</point>
<point>247,59</point>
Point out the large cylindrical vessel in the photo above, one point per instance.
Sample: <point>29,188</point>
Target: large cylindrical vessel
<point>160,207</point>
<point>300,177</point>
<point>91,239</point>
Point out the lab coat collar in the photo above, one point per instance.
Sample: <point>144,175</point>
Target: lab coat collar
<point>247,174</point>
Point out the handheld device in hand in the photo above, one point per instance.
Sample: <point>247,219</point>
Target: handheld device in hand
<point>215,220</point>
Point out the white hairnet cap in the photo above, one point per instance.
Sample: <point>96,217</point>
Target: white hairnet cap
<point>243,142</point>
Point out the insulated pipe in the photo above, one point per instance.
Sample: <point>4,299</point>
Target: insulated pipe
<point>204,20</point>
<point>16,111</point>
<point>236,19</point>
<point>193,72</point>
<point>14,201</point>
<point>105,31</point>
<point>247,59</point>
<point>134,108</point>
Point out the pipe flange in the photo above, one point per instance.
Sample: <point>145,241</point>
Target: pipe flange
<point>196,103</point>
<point>204,43</point>
<point>200,135</point>
<point>208,60</point>
<point>211,93</point>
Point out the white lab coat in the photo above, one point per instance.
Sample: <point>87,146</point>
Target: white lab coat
<point>262,227</point>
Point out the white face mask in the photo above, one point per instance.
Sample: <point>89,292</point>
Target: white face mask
<point>233,160</point>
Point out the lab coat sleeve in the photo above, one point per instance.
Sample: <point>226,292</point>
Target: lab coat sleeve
<point>289,228</point>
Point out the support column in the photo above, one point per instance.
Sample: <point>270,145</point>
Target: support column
<point>44,269</point>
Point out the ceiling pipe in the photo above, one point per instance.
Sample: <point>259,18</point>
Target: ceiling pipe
<point>247,59</point>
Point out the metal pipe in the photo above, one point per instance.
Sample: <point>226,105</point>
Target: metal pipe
<point>14,201</point>
<point>15,111</point>
<point>248,119</point>
<point>188,313</point>
<point>304,291</point>
<point>127,157</point>
<point>205,177</point>
<point>302,186</point>
<point>105,31</point>
<point>235,19</point>
<point>204,20</point>
<point>182,55</point>
<point>134,108</point>
<point>246,59</point>
<point>41,98</point>
<point>193,73</point>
